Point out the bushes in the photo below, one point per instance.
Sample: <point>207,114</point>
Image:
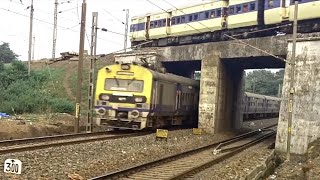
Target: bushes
<point>22,94</point>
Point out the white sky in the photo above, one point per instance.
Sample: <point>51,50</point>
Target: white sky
<point>15,26</point>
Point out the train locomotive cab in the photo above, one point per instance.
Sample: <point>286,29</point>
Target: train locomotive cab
<point>123,96</point>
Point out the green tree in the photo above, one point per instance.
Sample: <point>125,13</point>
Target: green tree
<point>1,66</point>
<point>264,82</point>
<point>6,54</point>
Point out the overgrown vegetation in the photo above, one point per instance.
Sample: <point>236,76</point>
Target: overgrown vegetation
<point>264,82</point>
<point>22,94</point>
<point>6,54</point>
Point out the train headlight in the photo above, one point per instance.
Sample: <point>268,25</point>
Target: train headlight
<point>125,66</point>
<point>105,97</point>
<point>134,114</point>
<point>101,111</point>
<point>138,99</point>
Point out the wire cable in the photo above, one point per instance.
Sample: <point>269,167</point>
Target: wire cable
<point>261,30</point>
<point>278,57</point>
<point>114,16</point>
<point>63,28</point>
<point>118,51</point>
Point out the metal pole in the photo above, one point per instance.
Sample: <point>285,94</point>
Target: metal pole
<point>80,66</point>
<point>292,64</point>
<point>55,19</point>
<point>126,30</point>
<point>34,42</point>
<point>279,90</point>
<point>30,38</point>
<point>93,51</point>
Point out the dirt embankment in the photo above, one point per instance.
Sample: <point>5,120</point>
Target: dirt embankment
<point>305,167</point>
<point>35,126</point>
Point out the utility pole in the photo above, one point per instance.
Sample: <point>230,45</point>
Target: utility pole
<point>55,19</point>
<point>30,38</point>
<point>254,85</point>
<point>292,64</point>
<point>80,66</point>
<point>34,41</point>
<point>93,52</point>
<point>126,30</point>
<point>279,90</point>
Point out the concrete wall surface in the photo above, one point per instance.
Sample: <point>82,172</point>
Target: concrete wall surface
<point>306,102</point>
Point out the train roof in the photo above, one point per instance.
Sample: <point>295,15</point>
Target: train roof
<point>172,9</point>
<point>174,78</point>
<point>249,94</point>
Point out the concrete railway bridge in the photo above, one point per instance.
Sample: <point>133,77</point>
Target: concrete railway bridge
<point>222,66</point>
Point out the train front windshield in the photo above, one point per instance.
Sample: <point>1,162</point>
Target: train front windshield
<point>129,85</point>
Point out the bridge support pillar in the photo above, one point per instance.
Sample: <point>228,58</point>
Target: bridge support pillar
<point>306,100</point>
<point>220,87</point>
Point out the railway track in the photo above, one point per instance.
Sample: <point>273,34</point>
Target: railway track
<point>187,163</point>
<point>27,144</point>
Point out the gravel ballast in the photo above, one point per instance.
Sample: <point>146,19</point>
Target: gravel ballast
<point>96,158</point>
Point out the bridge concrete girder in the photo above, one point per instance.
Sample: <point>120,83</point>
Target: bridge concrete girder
<point>276,45</point>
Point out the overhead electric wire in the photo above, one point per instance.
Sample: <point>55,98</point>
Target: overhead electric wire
<point>261,30</point>
<point>128,48</point>
<point>40,20</point>
<point>46,22</point>
<point>114,16</point>
<point>266,52</point>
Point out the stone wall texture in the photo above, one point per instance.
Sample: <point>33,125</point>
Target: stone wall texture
<point>306,102</point>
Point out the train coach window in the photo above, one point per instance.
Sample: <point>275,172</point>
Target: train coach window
<point>151,24</point>
<point>155,24</point>
<point>178,20</point>
<point>164,22</point>
<point>252,6</point>
<point>206,14</point>
<point>190,18</point>
<point>195,16</point>
<point>218,12</point>
<point>245,8</point>
<point>183,19</point>
<point>213,13</point>
<point>160,23</point>
<point>173,21</point>
<point>238,9</point>
<point>129,85</point>
<point>231,10</point>
<point>270,4</point>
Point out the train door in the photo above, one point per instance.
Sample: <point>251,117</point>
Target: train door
<point>168,25</point>
<point>261,13</point>
<point>147,27</point>
<point>178,97</point>
<point>285,9</point>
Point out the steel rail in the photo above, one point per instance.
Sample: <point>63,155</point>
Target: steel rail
<point>43,145</point>
<point>46,138</point>
<point>234,151</point>
<point>138,168</point>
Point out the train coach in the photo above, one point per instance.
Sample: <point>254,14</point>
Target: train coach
<point>209,21</point>
<point>130,96</point>
<point>260,106</point>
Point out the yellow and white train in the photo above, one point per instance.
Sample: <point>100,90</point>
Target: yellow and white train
<point>209,21</point>
<point>130,96</point>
